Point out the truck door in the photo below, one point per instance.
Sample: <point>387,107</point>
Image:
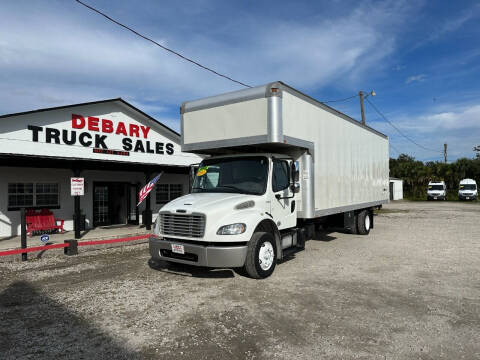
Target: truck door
<point>283,207</point>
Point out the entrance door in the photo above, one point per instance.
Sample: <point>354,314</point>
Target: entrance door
<point>101,213</point>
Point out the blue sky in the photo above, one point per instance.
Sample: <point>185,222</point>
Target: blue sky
<point>422,58</point>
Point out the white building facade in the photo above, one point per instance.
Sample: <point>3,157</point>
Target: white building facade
<point>114,146</point>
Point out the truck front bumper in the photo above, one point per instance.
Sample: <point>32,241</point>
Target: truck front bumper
<point>199,255</point>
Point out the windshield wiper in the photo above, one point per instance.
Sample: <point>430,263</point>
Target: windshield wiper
<point>235,188</point>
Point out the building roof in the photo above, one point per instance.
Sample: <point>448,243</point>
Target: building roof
<point>94,103</point>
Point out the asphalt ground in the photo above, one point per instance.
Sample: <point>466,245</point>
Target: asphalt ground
<point>409,290</point>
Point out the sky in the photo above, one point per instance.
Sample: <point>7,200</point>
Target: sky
<point>422,59</point>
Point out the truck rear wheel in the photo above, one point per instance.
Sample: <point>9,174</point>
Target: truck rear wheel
<point>364,222</point>
<point>261,255</point>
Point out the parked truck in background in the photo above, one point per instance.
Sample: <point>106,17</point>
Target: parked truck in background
<point>467,190</point>
<point>437,190</point>
<point>279,163</point>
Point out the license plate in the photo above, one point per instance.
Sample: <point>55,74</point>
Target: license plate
<point>178,249</point>
<point>435,197</point>
<point>468,197</point>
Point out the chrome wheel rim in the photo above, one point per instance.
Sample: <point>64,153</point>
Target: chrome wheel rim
<point>367,222</point>
<point>266,256</point>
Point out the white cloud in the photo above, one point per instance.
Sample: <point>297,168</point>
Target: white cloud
<point>415,78</point>
<point>458,127</point>
<point>76,56</point>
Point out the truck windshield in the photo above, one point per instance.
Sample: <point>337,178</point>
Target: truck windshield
<point>244,175</point>
<point>468,187</point>
<point>435,187</point>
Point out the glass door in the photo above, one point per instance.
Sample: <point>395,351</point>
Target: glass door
<point>101,214</point>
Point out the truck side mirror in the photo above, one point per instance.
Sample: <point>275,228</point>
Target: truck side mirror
<point>295,173</point>
<point>295,187</point>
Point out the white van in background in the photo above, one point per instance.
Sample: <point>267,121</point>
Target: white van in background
<point>437,190</point>
<point>467,190</point>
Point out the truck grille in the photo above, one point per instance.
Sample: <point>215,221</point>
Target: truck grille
<point>182,225</point>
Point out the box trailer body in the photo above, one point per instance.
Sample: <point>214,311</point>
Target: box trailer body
<point>337,166</point>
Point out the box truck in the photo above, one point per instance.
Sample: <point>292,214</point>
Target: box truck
<point>277,164</point>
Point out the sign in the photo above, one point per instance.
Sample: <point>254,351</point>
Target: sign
<point>95,132</point>
<point>77,186</point>
<point>44,238</point>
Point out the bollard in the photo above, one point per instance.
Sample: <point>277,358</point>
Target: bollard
<point>72,248</point>
<point>23,230</point>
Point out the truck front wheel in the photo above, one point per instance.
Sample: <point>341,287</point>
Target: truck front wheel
<point>261,255</point>
<point>364,222</point>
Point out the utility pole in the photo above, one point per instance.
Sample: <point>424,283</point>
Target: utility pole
<point>445,152</point>
<point>362,109</point>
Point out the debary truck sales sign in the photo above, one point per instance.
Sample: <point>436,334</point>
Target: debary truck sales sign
<point>111,130</point>
<point>93,132</point>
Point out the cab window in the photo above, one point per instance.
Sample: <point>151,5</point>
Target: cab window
<point>280,175</point>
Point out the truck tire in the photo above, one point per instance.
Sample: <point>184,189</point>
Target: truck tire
<point>364,222</point>
<point>261,255</point>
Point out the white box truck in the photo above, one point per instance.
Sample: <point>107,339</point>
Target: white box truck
<point>278,163</point>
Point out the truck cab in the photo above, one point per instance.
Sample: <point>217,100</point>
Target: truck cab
<point>437,190</point>
<point>467,190</point>
<point>232,198</point>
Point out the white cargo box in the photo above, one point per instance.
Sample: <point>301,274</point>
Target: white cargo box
<point>349,169</point>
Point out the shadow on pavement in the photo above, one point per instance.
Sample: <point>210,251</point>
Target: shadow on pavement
<point>191,271</point>
<point>35,326</point>
<point>323,235</point>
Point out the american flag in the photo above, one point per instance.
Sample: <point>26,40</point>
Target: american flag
<point>147,188</point>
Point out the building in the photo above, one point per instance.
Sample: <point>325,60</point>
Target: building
<point>396,189</point>
<point>113,145</point>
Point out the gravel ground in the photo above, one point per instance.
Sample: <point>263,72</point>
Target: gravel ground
<point>409,290</point>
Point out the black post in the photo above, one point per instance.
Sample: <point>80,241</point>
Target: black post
<point>72,248</point>
<point>23,229</point>
<point>148,210</point>
<point>77,217</point>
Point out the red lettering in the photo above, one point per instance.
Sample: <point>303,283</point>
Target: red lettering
<point>107,126</point>
<point>145,130</point>
<point>134,130</point>
<point>93,123</point>
<point>121,129</point>
<point>78,122</point>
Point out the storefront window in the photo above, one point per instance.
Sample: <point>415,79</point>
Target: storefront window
<point>20,194</point>
<point>46,194</point>
<point>168,192</point>
<point>30,195</point>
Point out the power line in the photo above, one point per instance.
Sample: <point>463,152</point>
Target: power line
<point>399,131</point>
<point>394,148</point>
<point>340,100</point>
<point>163,47</point>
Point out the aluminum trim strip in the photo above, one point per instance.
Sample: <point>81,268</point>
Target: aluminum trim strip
<point>342,209</point>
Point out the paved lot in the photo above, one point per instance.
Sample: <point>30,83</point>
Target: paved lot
<point>410,290</point>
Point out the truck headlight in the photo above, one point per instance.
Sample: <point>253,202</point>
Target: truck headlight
<point>232,229</point>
